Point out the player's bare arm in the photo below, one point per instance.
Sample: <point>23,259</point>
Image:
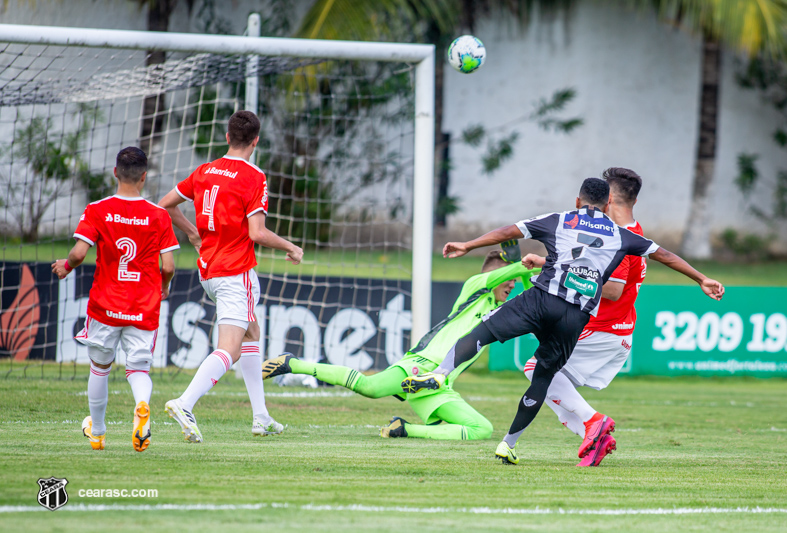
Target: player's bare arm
<point>612,290</point>
<point>170,202</point>
<point>711,287</point>
<point>76,256</point>
<point>265,237</point>
<point>167,272</point>
<point>496,236</point>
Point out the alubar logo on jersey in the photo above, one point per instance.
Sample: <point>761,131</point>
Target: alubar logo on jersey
<point>601,226</point>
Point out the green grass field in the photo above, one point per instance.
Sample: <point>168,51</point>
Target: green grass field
<point>695,444</point>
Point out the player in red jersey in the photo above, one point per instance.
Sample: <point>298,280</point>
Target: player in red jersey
<point>130,235</point>
<point>605,343</point>
<point>230,198</point>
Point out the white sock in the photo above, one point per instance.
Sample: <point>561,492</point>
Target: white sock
<point>97,395</point>
<point>209,373</point>
<point>251,367</point>
<point>562,392</point>
<point>141,385</point>
<point>555,402</point>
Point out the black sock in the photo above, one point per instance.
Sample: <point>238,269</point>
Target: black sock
<point>530,403</point>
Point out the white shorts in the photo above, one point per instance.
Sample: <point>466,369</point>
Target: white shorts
<point>235,297</point>
<point>102,342</point>
<point>597,358</point>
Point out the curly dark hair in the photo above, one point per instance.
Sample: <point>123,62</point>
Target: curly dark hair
<point>594,191</point>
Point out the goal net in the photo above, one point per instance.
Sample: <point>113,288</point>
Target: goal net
<point>339,144</point>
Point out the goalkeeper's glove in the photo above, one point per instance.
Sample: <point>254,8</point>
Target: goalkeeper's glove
<point>511,252</point>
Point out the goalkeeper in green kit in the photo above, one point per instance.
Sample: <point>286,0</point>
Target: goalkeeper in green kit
<point>480,294</point>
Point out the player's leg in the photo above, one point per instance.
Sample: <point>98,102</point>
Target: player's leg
<point>555,399</point>
<point>512,319</point>
<point>233,316</point>
<point>101,341</point>
<point>380,385</point>
<point>462,422</point>
<point>563,324</point>
<point>139,346</point>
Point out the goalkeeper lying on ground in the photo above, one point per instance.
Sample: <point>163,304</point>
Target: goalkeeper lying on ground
<point>480,294</point>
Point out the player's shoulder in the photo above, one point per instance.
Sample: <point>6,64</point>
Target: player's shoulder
<point>243,167</point>
<point>103,202</point>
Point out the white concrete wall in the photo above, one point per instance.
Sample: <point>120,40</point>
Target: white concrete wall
<point>638,85</point>
<point>638,92</point>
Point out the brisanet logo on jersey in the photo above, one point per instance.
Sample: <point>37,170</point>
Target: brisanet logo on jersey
<point>600,226</point>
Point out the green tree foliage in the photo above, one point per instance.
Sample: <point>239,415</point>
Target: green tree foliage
<point>54,167</point>
<point>769,77</point>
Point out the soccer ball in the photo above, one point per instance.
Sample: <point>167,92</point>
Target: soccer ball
<point>466,54</point>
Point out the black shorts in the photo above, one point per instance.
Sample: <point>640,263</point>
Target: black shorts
<point>556,324</point>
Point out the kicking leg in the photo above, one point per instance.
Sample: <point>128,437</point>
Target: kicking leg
<point>564,400</point>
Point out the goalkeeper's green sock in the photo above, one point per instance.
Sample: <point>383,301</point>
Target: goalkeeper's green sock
<point>441,432</point>
<point>332,374</point>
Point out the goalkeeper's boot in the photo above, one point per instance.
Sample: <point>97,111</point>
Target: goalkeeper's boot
<point>188,424</point>
<point>429,380</point>
<point>262,429</point>
<point>506,455</point>
<point>394,429</point>
<point>140,434</point>
<point>606,445</point>
<point>278,366</point>
<point>96,442</point>
<point>595,428</point>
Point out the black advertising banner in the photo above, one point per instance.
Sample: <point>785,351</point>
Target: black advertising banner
<point>361,323</point>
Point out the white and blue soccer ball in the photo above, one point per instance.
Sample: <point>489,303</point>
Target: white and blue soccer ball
<point>466,54</point>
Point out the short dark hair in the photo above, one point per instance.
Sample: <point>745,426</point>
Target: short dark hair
<point>494,256</point>
<point>243,127</point>
<point>131,163</point>
<point>626,183</point>
<point>595,192</point>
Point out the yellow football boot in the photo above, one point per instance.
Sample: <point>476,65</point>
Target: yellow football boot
<point>97,443</point>
<point>140,435</point>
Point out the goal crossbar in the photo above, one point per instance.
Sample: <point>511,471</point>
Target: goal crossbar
<point>422,55</point>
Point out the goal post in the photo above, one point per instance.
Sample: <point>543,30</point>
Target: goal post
<point>247,49</point>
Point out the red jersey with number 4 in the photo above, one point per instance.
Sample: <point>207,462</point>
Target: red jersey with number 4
<point>618,317</point>
<point>225,192</point>
<point>129,234</point>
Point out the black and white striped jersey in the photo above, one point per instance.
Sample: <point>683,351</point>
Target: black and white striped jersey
<point>584,247</point>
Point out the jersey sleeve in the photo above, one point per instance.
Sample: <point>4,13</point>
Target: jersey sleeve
<point>87,229</point>
<point>186,187</point>
<point>633,244</point>
<point>621,274</point>
<point>257,199</point>
<point>495,277</point>
<point>168,242</point>
<point>539,227</point>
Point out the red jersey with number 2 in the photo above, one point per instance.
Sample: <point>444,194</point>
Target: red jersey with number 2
<point>225,192</point>
<point>129,234</point>
<point>619,317</point>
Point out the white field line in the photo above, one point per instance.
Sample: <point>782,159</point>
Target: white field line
<point>5,509</point>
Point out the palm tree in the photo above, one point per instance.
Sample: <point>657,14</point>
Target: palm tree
<point>434,21</point>
<point>744,26</point>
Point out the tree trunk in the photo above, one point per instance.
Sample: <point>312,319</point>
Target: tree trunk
<point>696,238</point>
